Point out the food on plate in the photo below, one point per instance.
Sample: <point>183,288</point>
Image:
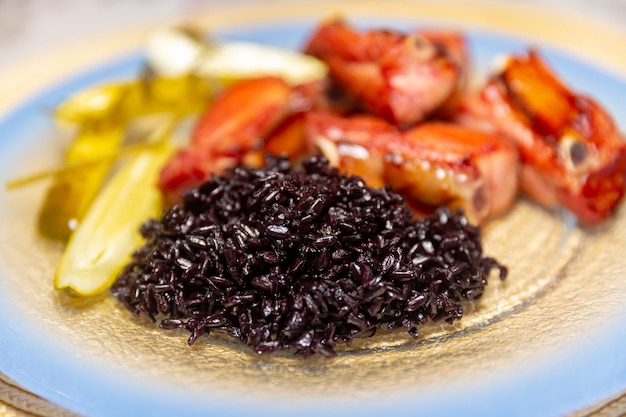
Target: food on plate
<point>571,149</point>
<point>69,196</point>
<point>101,245</point>
<point>247,120</point>
<point>183,73</point>
<point>267,254</point>
<point>432,164</point>
<point>459,167</point>
<point>454,46</point>
<point>400,77</point>
<point>103,233</point>
<point>288,258</point>
<point>101,116</point>
<point>175,52</point>
<point>384,153</point>
<point>236,123</point>
<point>323,196</point>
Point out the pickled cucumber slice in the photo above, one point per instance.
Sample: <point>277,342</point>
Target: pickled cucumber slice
<point>71,193</point>
<point>92,104</point>
<point>109,232</point>
<point>103,114</point>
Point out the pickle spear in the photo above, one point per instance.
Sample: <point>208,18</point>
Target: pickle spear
<point>109,232</point>
<point>102,115</point>
<point>71,193</point>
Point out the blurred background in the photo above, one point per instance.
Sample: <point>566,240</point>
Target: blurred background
<point>29,27</point>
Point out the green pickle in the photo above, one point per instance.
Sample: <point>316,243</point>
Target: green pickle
<point>103,242</point>
<point>68,198</point>
<point>92,105</point>
<point>103,114</point>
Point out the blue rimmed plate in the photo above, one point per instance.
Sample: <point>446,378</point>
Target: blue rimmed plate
<point>548,341</point>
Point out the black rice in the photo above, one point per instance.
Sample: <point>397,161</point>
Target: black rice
<point>288,258</point>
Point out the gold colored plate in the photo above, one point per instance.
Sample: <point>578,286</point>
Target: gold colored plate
<point>565,290</point>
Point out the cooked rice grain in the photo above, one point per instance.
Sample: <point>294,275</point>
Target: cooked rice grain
<point>287,258</point>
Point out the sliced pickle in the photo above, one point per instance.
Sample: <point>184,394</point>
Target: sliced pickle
<point>103,114</point>
<point>92,104</point>
<point>109,232</point>
<point>71,193</point>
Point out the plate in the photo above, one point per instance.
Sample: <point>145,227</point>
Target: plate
<point>548,341</point>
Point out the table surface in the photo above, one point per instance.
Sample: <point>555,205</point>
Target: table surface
<point>29,28</point>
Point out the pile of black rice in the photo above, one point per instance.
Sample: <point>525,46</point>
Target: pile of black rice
<point>301,258</point>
